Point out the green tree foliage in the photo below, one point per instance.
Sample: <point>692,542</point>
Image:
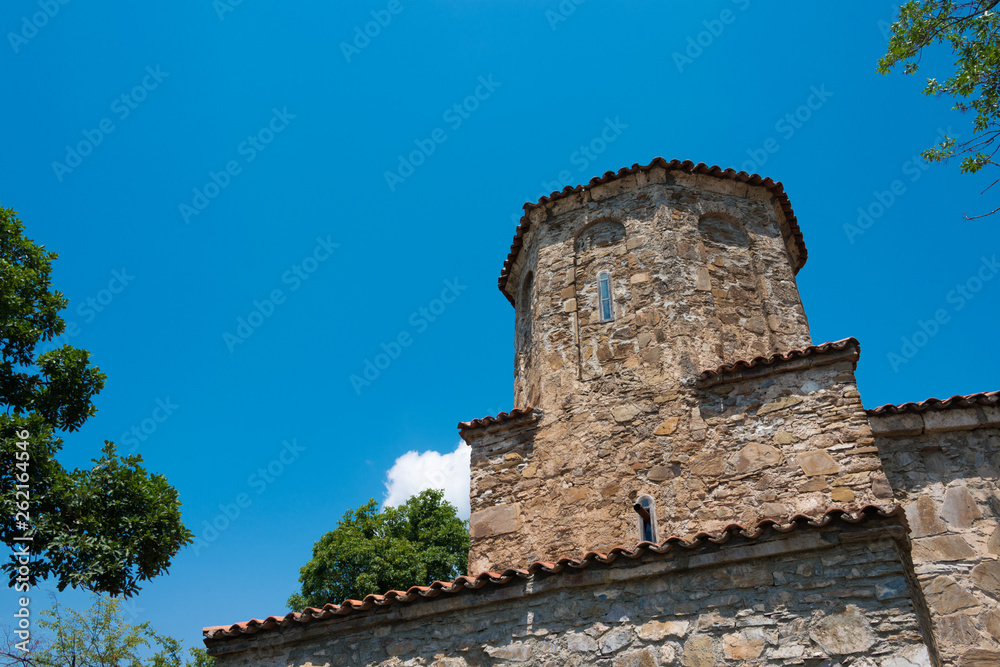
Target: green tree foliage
<point>971,30</point>
<point>100,637</point>
<point>105,528</point>
<point>374,552</point>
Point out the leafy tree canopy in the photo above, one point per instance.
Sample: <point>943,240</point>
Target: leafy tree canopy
<point>105,528</point>
<point>970,29</point>
<point>373,552</point>
<point>100,637</point>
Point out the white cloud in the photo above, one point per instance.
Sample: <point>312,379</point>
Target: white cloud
<point>414,472</point>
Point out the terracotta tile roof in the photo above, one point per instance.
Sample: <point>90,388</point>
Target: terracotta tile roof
<point>502,417</point>
<point>687,166</point>
<point>987,398</point>
<point>835,515</point>
<point>707,377</point>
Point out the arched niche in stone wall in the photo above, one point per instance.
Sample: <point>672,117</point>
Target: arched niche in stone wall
<point>602,295</point>
<point>735,285</point>
<point>722,230</point>
<point>600,234</point>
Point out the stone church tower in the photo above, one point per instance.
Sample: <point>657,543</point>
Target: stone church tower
<point>686,479</point>
<point>624,291</point>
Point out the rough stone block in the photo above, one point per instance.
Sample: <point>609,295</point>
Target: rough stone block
<point>641,658</point>
<point>922,515</point>
<point>625,413</point>
<point>979,658</point>
<point>945,596</point>
<point>941,548</point>
<point>913,656</point>
<point>495,520</point>
<point>615,640</point>
<point>892,589</point>
<point>842,494</point>
<point>656,631</point>
<point>896,425</point>
<point>581,643</point>
<point>817,463</point>
<point>698,651</point>
<point>754,456</point>
<point>703,281</point>
<point>668,427</point>
<point>993,623</point>
<point>986,576</point>
<point>991,416</point>
<point>937,421</point>
<point>957,630</point>
<point>844,633</point>
<point>780,404</point>
<point>660,474</point>
<point>744,645</point>
<point>959,508</point>
<point>514,652</point>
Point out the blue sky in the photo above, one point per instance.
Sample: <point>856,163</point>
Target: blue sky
<point>245,171</point>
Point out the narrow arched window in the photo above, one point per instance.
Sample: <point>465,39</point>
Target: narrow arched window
<point>604,290</point>
<point>647,519</point>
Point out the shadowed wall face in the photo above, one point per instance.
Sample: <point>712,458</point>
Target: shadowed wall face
<point>945,469</point>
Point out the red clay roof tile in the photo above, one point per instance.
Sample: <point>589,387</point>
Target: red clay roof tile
<point>502,417</point>
<point>742,364</point>
<point>591,558</point>
<point>987,398</point>
<point>687,166</point>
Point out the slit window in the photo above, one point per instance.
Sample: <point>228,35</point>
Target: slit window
<point>604,287</point>
<point>647,519</point>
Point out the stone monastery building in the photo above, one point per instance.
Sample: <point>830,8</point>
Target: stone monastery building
<point>687,479</point>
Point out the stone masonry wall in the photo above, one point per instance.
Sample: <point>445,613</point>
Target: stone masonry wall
<point>794,441</point>
<point>702,276</point>
<point>812,598</point>
<point>945,468</point>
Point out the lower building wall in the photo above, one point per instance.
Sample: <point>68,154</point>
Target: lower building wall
<point>946,473</point>
<point>812,598</point>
